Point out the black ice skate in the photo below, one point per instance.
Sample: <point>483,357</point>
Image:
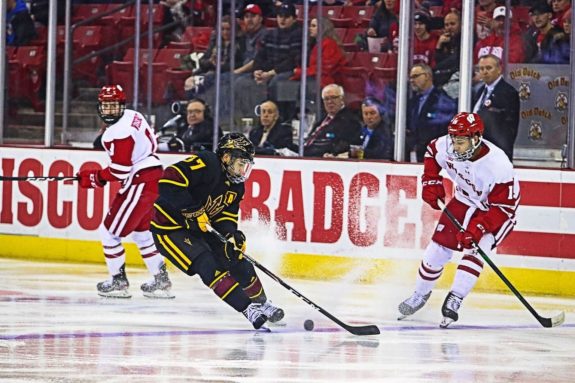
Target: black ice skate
<point>412,304</point>
<point>255,315</point>
<point>449,309</point>
<point>159,287</point>
<point>116,286</point>
<point>274,314</point>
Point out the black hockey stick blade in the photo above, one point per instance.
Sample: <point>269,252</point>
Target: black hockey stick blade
<point>39,178</point>
<point>555,321</point>
<point>355,330</point>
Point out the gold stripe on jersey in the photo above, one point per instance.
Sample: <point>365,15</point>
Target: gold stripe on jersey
<point>158,226</point>
<point>173,249</point>
<point>261,290</point>
<point>218,277</point>
<point>165,214</point>
<point>167,181</point>
<point>230,290</point>
<point>228,217</point>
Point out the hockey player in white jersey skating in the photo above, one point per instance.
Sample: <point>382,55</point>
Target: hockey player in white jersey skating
<point>131,144</point>
<point>486,198</point>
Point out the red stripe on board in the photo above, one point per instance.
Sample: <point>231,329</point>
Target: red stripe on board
<point>547,194</point>
<point>539,245</point>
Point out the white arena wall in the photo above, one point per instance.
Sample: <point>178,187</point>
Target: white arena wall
<point>304,218</point>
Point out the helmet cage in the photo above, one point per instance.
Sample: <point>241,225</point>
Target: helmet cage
<point>467,125</point>
<point>241,160</point>
<point>111,94</point>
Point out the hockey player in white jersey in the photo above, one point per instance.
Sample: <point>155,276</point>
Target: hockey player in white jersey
<point>486,198</point>
<point>131,144</point>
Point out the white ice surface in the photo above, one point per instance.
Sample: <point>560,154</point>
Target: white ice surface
<point>54,328</point>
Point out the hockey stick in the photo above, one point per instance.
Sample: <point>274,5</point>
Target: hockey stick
<point>355,330</point>
<point>545,322</point>
<point>39,178</point>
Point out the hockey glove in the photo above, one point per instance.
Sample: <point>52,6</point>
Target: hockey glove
<point>89,179</point>
<point>432,190</point>
<point>235,246</point>
<point>472,235</point>
<point>197,220</point>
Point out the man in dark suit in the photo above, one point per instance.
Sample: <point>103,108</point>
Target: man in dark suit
<point>340,127</point>
<point>430,109</point>
<point>270,134</point>
<point>497,102</point>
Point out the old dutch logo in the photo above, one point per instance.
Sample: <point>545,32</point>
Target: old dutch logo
<point>561,101</point>
<point>535,131</point>
<point>524,91</point>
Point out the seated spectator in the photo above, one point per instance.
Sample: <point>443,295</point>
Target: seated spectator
<point>204,76</point>
<point>19,24</point>
<point>198,135</point>
<point>543,34</point>
<point>340,127</point>
<point>383,21</point>
<point>376,134</point>
<point>279,54</point>
<point>270,134</point>
<point>424,42</point>
<point>429,111</point>
<point>561,10</point>
<point>332,57</point>
<point>560,49</point>
<point>493,44</point>
<point>483,17</point>
<point>250,39</point>
<point>39,12</point>
<point>448,49</point>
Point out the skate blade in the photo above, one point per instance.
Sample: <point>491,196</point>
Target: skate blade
<point>263,329</point>
<point>402,317</point>
<point>123,294</point>
<point>446,322</point>
<point>161,294</point>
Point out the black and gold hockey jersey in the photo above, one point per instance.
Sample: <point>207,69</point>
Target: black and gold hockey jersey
<point>197,183</point>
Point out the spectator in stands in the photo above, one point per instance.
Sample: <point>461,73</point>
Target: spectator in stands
<point>425,43</point>
<point>376,134</point>
<point>483,17</point>
<point>39,12</point>
<point>198,135</point>
<point>383,21</point>
<point>429,111</point>
<point>447,52</point>
<point>543,34</point>
<point>270,134</point>
<point>178,13</point>
<point>560,48</point>
<point>497,102</point>
<point>250,39</point>
<point>339,128</point>
<point>19,25</point>
<point>493,44</point>
<point>332,56</point>
<point>561,10</point>
<point>275,61</point>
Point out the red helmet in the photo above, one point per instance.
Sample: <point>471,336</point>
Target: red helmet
<point>111,93</point>
<point>465,124</point>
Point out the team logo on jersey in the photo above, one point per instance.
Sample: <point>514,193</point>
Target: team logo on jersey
<point>524,91</point>
<point>561,102</point>
<point>216,205</point>
<point>535,131</point>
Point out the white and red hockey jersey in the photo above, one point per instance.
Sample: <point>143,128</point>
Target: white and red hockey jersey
<point>131,145</point>
<point>488,183</point>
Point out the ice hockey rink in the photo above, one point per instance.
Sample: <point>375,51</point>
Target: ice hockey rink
<point>54,328</point>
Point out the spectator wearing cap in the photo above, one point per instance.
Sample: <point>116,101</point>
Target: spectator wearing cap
<point>376,134</point>
<point>497,102</point>
<point>20,26</point>
<point>543,35</point>
<point>425,43</point>
<point>250,40</point>
<point>493,44</point>
<point>279,54</point>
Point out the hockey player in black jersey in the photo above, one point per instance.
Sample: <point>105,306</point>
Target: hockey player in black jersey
<point>206,189</point>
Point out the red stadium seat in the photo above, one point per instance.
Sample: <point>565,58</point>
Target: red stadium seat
<point>86,40</point>
<point>353,80</point>
<point>164,90</point>
<point>175,82</point>
<point>26,74</point>
<point>198,36</point>
<point>349,44</point>
<point>360,15</point>
<point>122,72</point>
<point>81,12</point>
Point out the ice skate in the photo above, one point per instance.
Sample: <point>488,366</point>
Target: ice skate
<point>449,309</point>
<point>116,286</point>
<point>159,287</point>
<point>274,314</point>
<point>255,315</point>
<point>412,304</point>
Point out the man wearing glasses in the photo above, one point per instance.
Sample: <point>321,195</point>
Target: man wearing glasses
<point>429,111</point>
<point>339,128</point>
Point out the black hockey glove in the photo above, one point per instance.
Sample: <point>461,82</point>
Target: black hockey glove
<point>235,246</point>
<point>197,220</point>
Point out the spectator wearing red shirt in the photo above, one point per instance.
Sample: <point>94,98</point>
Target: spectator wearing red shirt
<point>483,17</point>
<point>424,42</point>
<point>561,9</point>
